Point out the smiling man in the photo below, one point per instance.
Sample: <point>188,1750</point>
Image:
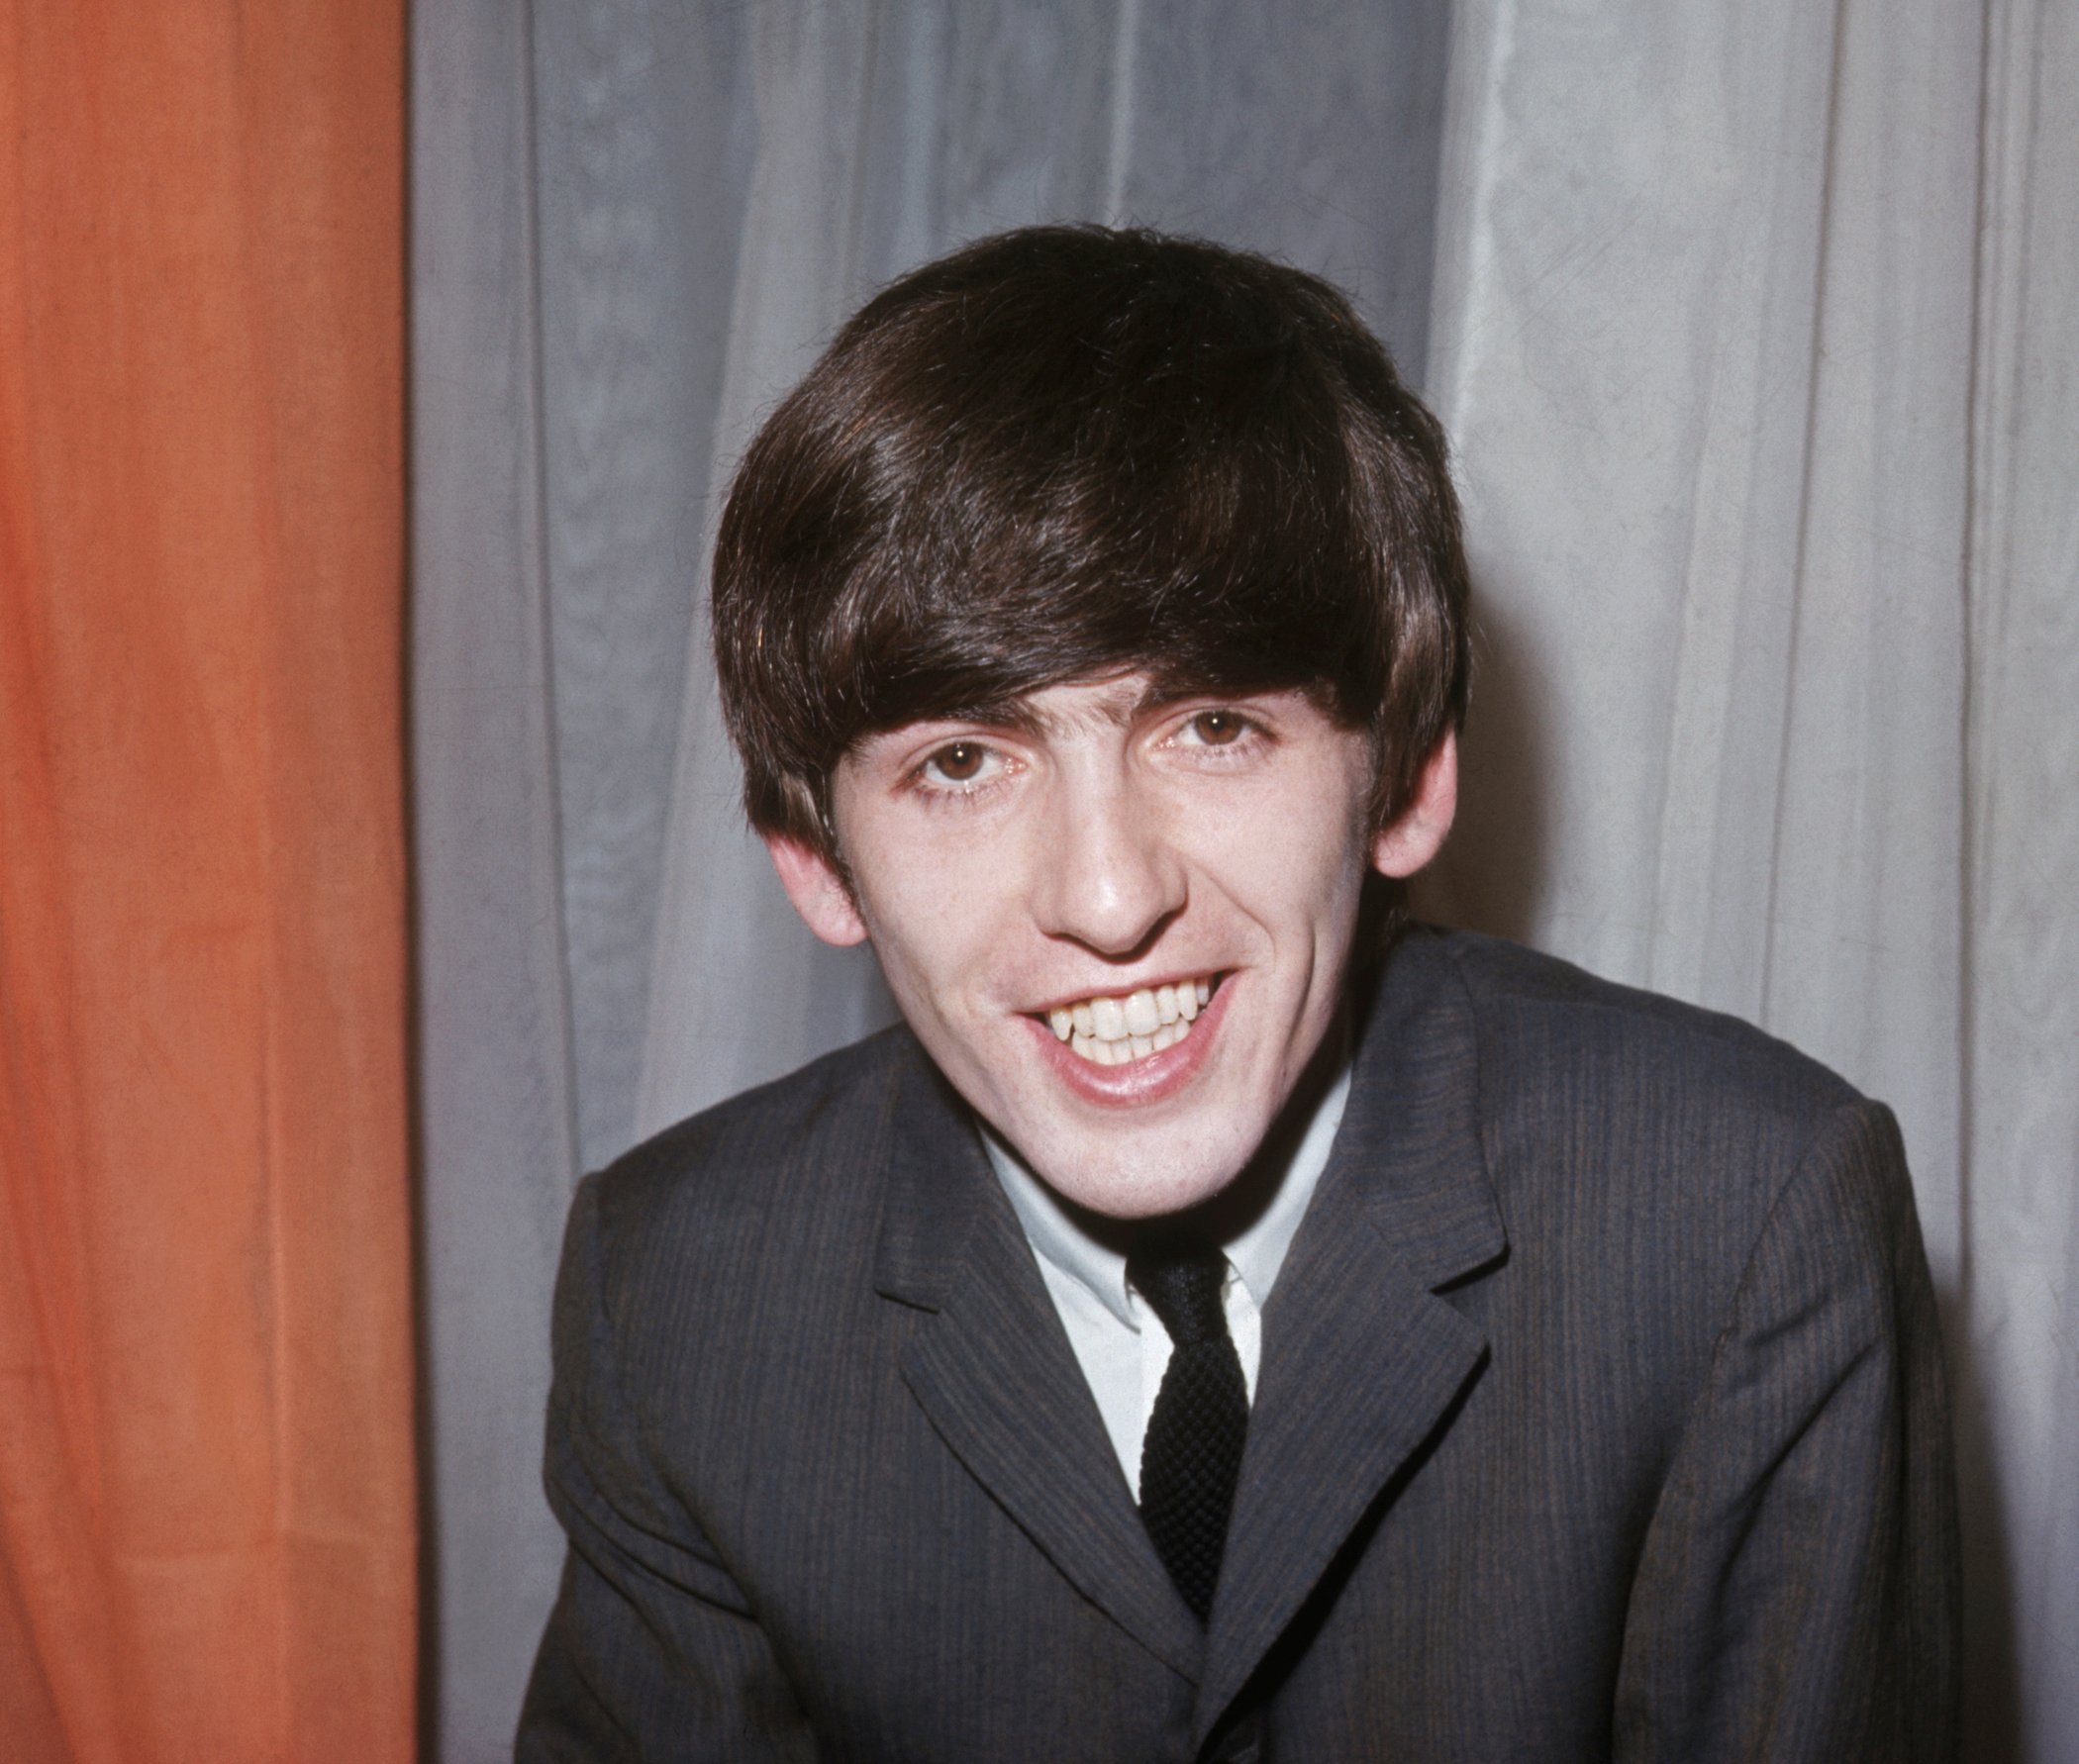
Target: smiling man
<point>1223,1320</point>
<point>1117,916</point>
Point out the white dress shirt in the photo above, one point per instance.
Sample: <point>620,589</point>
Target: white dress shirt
<point>1118,1338</point>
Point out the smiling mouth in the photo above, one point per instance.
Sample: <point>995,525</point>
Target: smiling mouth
<point>1115,1029</point>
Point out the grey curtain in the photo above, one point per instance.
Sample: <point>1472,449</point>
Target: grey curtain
<point>1757,330</point>
<point>1754,327</point>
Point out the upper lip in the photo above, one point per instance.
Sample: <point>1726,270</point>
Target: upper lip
<point>1113,989</point>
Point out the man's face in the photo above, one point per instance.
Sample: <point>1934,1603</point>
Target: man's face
<point>1119,922</point>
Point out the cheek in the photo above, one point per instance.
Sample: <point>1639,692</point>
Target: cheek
<point>1292,872</point>
<point>935,916</point>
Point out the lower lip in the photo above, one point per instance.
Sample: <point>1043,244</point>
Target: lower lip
<point>1143,1080</point>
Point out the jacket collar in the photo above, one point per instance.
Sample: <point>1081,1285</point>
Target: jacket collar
<point>992,1367</point>
<point>1362,1362</point>
<point>1404,1208</point>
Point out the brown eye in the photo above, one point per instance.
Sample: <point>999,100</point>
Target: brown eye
<point>960,763</point>
<point>1217,729</point>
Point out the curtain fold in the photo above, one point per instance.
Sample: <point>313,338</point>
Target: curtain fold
<point>207,1531</point>
<point>2015,1331</point>
<point>1755,331</point>
<point>499,1126</point>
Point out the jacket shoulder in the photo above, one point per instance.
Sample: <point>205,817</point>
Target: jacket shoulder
<point>1644,1152</point>
<point>756,1193</point>
<point>1620,1113</point>
<point>1544,1019</point>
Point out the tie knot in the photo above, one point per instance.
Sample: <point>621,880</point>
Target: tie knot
<point>1184,1282</point>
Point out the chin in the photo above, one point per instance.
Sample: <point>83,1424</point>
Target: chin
<point>1127,1190</point>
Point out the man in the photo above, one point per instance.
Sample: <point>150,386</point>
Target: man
<point>1223,1321</point>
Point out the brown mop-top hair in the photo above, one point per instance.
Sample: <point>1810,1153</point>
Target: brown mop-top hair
<point>1067,453</point>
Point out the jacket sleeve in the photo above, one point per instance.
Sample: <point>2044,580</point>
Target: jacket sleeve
<point>652,1652</point>
<point>1796,1594</point>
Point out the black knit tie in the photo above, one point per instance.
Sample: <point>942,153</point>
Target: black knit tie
<point>1192,1454</point>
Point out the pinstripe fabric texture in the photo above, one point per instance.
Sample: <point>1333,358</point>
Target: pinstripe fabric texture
<point>1601,1414</point>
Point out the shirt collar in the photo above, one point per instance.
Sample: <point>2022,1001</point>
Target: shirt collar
<point>1071,1243</point>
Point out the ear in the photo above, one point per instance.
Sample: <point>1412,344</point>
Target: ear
<point>1417,834</point>
<point>816,890</point>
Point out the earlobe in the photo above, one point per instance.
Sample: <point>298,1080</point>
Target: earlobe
<point>1418,833</point>
<point>816,890</point>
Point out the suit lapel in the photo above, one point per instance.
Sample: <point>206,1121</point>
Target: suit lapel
<point>1361,1359</point>
<point>991,1366</point>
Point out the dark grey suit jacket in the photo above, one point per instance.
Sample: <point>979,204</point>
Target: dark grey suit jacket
<point>1601,1414</point>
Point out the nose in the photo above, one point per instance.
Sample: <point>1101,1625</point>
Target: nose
<point>1109,876</point>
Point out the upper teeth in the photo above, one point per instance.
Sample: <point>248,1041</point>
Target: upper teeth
<point>1111,1031</point>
